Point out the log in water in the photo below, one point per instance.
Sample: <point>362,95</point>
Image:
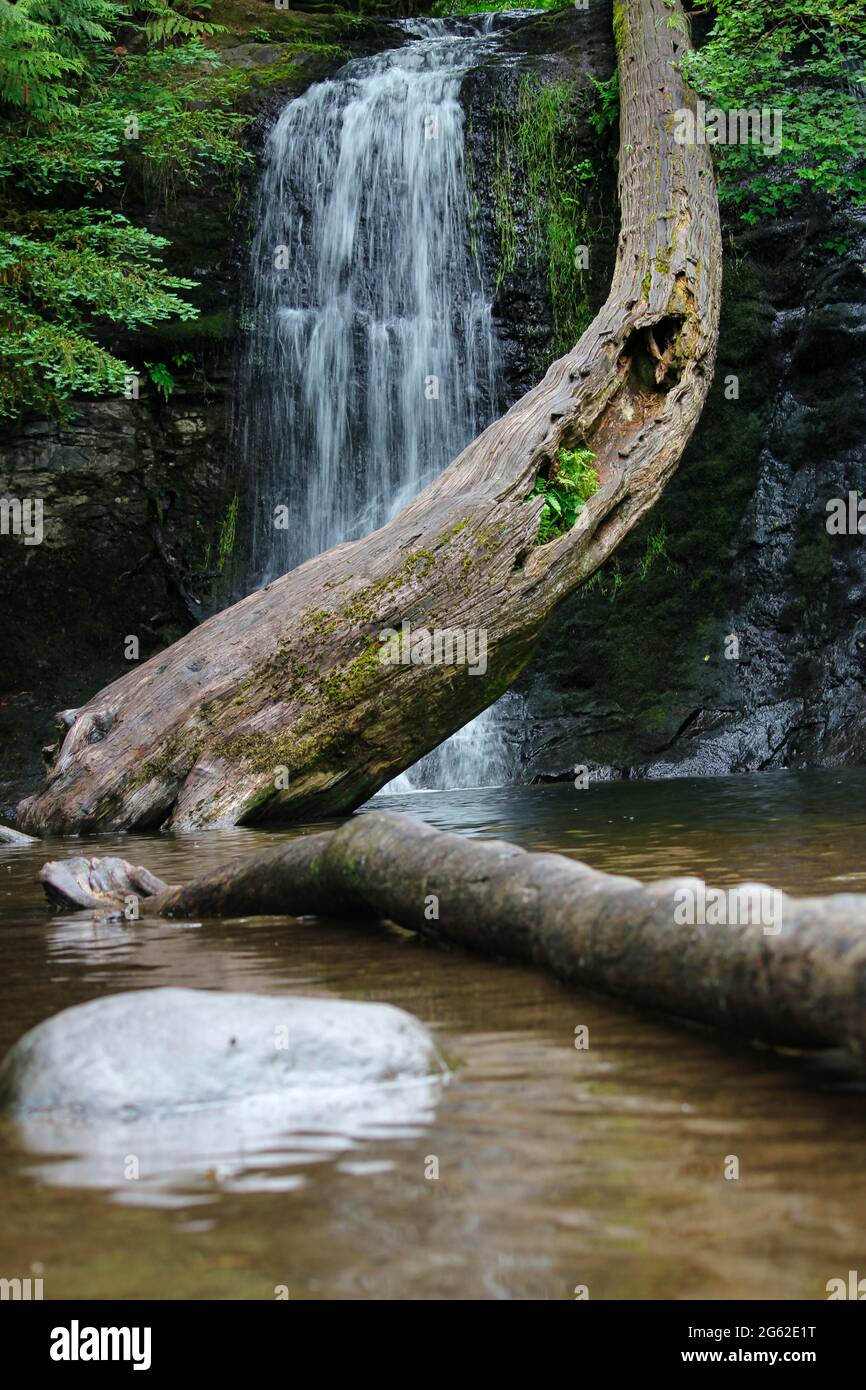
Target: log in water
<point>791,971</point>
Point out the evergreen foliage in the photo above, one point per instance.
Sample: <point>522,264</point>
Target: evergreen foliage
<point>90,91</point>
<point>805,59</point>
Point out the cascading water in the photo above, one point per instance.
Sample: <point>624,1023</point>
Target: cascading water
<point>484,753</point>
<point>372,359</point>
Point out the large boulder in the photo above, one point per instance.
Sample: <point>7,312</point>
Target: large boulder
<point>156,1050</point>
<point>143,1091</point>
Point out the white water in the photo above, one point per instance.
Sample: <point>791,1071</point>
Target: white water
<point>484,753</point>
<point>372,358</point>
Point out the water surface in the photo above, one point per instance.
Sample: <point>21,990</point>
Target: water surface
<point>557,1167</point>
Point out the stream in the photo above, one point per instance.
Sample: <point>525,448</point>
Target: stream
<point>557,1167</point>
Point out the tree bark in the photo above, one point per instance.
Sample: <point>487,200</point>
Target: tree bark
<point>794,977</point>
<point>280,706</point>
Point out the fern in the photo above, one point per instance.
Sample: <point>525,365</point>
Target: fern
<point>167,23</point>
<point>80,29</point>
<point>67,361</point>
<point>572,482</point>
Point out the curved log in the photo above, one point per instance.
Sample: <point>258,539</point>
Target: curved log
<point>281,706</point>
<point>798,979</point>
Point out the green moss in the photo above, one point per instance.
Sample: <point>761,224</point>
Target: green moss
<point>620,26</point>
<point>176,758</point>
<point>454,531</point>
<point>503,205</point>
<point>363,605</point>
<point>259,798</point>
<point>216,328</point>
<point>284,676</point>
<point>320,621</point>
<point>419,564</point>
<point>465,7</point>
<point>266,24</point>
<point>292,61</point>
<point>227,534</point>
<point>535,167</point>
<point>216,557</point>
<point>285,673</point>
<point>264,753</point>
<point>346,682</point>
<point>635,634</point>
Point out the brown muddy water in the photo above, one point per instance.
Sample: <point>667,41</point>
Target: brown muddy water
<point>557,1167</point>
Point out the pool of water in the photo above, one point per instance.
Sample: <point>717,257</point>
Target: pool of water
<point>603,1167</point>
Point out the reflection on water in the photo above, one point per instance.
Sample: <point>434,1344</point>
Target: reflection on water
<point>555,1166</point>
<point>801,831</point>
<point>188,1157</point>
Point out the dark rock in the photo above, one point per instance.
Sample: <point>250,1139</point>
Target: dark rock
<point>633,675</point>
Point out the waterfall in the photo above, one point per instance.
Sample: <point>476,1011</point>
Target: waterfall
<point>371,358</point>
<point>484,753</point>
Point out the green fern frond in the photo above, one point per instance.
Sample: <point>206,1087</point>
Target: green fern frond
<point>167,24</point>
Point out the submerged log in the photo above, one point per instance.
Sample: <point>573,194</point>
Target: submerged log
<point>283,706</point>
<point>790,971</point>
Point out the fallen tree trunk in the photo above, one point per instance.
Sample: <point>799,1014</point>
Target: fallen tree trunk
<point>281,706</point>
<point>15,837</point>
<point>797,979</point>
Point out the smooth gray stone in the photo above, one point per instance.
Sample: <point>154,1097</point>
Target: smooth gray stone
<point>162,1096</point>
<point>160,1049</point>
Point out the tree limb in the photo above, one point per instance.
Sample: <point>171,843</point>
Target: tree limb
<point>798,981</point>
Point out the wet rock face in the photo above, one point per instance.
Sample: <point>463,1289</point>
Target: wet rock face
<point>570,46</point>
<point>161,1050</point>
<point>132,492</point>
<point>644,680</point>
